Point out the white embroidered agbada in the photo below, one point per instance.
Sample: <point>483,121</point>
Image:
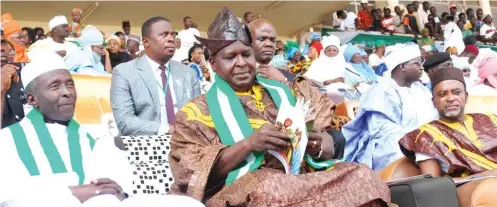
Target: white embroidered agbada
<point>328,68</point>
<point>453,37</point>
<point>41,160</point>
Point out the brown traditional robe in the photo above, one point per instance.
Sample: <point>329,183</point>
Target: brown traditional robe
<point>196,146</point>
<point>466,149</point>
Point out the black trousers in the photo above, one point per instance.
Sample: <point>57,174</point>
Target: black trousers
<point>339,143</point>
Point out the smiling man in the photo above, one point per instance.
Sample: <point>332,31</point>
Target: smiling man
<point>147,92</point>
<point>456,144</point>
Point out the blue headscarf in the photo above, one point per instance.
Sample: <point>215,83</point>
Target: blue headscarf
<point>315,36</point>
<point>291,52</point>
<point>86,58</point>
<point>363,68</point>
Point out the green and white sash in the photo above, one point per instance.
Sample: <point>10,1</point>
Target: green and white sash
<point>34,124</point>
<point>232,123</point>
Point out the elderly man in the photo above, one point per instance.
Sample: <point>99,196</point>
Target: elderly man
<point>436,62</point>
<point>457,144</point>
<point>57,43</point>
<point>219,148</point>
<point>51,160</point>
<point>391,108</point>
<point>147,92</point>
<point>87,58</point>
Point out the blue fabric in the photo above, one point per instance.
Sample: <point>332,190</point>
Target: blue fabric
<point>315,36</point>
<point>350,51</point>
<point>366,71</point>
<point>291,52</point>
<point>380,69</point>
<point>81,61</point>
<point>197,70</point>
<point>428,85</point>
<point>363,52</point>
<point>372,137</point>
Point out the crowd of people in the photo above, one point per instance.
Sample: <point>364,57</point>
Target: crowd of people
<point>219,97</point>
<point>419,19</point>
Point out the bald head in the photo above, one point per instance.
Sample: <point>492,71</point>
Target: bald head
<point>263,40</point>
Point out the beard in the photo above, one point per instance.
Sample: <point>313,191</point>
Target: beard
<point>452,114</point>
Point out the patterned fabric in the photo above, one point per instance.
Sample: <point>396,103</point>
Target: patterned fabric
<point>467,149</point>
<point>301,67</point>
<point>195,146</point>
<point>149,157</point>
<point>364,20</point>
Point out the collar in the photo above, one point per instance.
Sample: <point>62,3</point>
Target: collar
<point>154,65</point>
<point>50,121</point>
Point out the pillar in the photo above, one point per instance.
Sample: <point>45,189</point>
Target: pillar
<point>485,5</point>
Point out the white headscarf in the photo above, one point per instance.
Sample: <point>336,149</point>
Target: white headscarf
<point>327,68</point>
<point>453,37</point>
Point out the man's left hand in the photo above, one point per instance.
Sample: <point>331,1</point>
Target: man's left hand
<point>320,141</point>
<point>270,72</point>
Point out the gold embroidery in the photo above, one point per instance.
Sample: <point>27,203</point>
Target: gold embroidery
<point>256,93</point>
<point>493,117</point>
<point>438,136</point>
<point>467,130</point>
<point>193,113</point>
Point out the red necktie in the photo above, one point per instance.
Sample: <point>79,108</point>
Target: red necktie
<point>169,98</point>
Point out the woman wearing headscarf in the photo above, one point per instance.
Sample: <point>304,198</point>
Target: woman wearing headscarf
<point>86,59</point>
<point>487,74</point>
<point>360,72</point>
<point>298,64</point>
<point>329,68</point>
<point>116,56</point>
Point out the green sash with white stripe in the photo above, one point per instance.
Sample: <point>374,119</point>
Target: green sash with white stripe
<point>50,150</point>
<point>232,123</point>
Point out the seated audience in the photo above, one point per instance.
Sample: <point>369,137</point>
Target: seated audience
<point>465,32</point>
<point>387,22</point>
<point>143,101</point>
<point>195,58</point>
<point>57,42</point>
<point>116,56</point>
<point>360,72</point>
<point>122,41</point>
<point>425,38</point>
<point>329,69</point>
<point>86,59</point>
<point>487,30</point>
<point>235,169</point>
<point>378,55</point>
<point>392,107</point>
<point>28,36</point>
<point>457,144</point>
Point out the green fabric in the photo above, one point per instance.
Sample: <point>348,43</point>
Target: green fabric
<point>291,44</point>
<point>466,33</point>
<point>494,48</point>
<point>371,40</point>
<point>46,141</point>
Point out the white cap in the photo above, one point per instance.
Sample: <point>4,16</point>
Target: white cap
<point>42,61</point>
<point>56,21</point>
<point>401,55</point>
<point>427,48</point>
<point>460,62</point>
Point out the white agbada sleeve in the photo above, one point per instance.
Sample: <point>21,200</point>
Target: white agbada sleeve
<point>18,188</point>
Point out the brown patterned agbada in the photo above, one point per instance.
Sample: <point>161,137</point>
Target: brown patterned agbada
<point>196,146</point>
<point>467,149</point>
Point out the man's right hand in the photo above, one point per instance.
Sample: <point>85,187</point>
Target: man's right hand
<point>9,73</point>
<point>99,187</point>
<point>266,138</point>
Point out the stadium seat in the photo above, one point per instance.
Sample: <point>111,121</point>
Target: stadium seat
<point>347,108</point>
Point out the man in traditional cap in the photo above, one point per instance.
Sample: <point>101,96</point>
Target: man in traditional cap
<point>12,96</point>
<point>219,150</point>
<point>147,92</point>
<point>126,27</point>
<point>436,62</point>
<point>133,45</point>
<point>57,43</point>
<point>471,52</point>
<point>457,144</point>
<point>395,105</point>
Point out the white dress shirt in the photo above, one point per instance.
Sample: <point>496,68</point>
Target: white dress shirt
<point>154,66</point>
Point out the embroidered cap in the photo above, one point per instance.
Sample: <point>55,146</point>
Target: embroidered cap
<point>449,73</point>
<point>224,31</point>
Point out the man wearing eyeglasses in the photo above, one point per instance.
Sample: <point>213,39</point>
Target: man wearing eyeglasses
<point>394,106</point>
<point>147,91</point>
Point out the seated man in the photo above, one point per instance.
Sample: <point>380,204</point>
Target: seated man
<point>392,107</point>
<point>48,159</point>
<point>436,62</point>
<point>218,151</point>
<point>457,144</point>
